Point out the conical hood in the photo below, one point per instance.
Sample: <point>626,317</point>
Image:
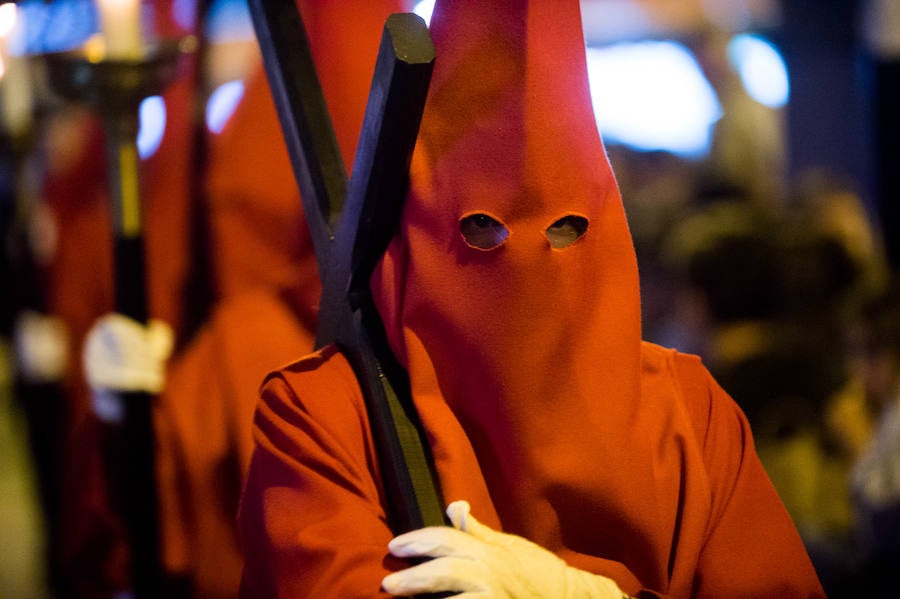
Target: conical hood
<point>512,292</point>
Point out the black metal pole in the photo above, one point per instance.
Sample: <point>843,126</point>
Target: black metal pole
<point>131,453</point>
<point>886,125</point>
<point>200,288</point>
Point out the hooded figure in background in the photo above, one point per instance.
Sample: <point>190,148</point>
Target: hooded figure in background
<point>80,291</point>
<point>510,294</point>
<point>268,278</point>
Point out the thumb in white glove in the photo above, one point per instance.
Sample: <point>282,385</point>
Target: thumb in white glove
<point>477,561</point>
<point>121,354</point>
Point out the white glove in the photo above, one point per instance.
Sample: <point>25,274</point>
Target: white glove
<point>120,354</point>
<point>42,347</point>
<point>875,478</point>
<point>477,561</point>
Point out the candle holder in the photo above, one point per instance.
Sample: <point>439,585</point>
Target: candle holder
<point>114,84</point>
<point>114,89</point>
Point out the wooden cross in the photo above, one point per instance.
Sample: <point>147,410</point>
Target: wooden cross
<point>351,225</point>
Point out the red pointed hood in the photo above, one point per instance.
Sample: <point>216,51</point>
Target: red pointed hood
<point>536,350</point>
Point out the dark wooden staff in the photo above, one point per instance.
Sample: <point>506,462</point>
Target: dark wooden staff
<point>368,216</point>
<point>135,475</point>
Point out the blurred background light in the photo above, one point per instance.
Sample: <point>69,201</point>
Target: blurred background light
<point>762,69</point>
<point>59,25</point>
<point>424,9</point>
<point>7,19</point>
<point>184,13</point>
<point>229,20</point>
<point>152,126</point>
<point>652,96</point>
<point>222,104</point>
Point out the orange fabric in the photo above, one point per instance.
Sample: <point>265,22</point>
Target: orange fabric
<point>256,227</point>
<point>204,436</point>
<point>539,159</point>
<point>270,286</point>
<point>312,514</point>
<point>313,494</point>
<point>259,234</point>
<point>541,404</point>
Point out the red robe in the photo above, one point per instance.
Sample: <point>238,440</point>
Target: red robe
<point>313,516</point>
<point>202,426</point>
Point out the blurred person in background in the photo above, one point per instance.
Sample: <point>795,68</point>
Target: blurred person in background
<point>74,286</point>
<point>269,286</point>
<point>267,291</point>
<point>68,282</point>
<point>777,290</point>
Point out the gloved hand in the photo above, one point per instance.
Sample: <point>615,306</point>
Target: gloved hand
<point>42,347</point>
<point>477,561</point>
<point>121,354</point>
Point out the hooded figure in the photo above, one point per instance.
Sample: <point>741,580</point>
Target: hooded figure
<point>511,296</point>
<point>265,319</point>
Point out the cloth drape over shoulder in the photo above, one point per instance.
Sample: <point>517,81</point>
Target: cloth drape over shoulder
<point>313,515</point>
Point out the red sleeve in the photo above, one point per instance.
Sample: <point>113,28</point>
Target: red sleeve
<point>752,547</point>
<point>311,518</point>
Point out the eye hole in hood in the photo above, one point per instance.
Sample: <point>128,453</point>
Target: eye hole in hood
<point>566,231</point>
<point>482,231</point>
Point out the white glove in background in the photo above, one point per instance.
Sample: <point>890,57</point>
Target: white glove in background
<point>478,561</point>
<point>875,478</point>
<point>121,354</point>
<point>42,347</point>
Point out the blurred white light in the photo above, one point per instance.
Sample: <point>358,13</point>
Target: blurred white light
<point>152,125</point>
<point>424,8</point>
<point>7,18</point>
<point>222,104</point>
<point>7,23</point>
<point>652,96</point>
<point>761,68</point>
